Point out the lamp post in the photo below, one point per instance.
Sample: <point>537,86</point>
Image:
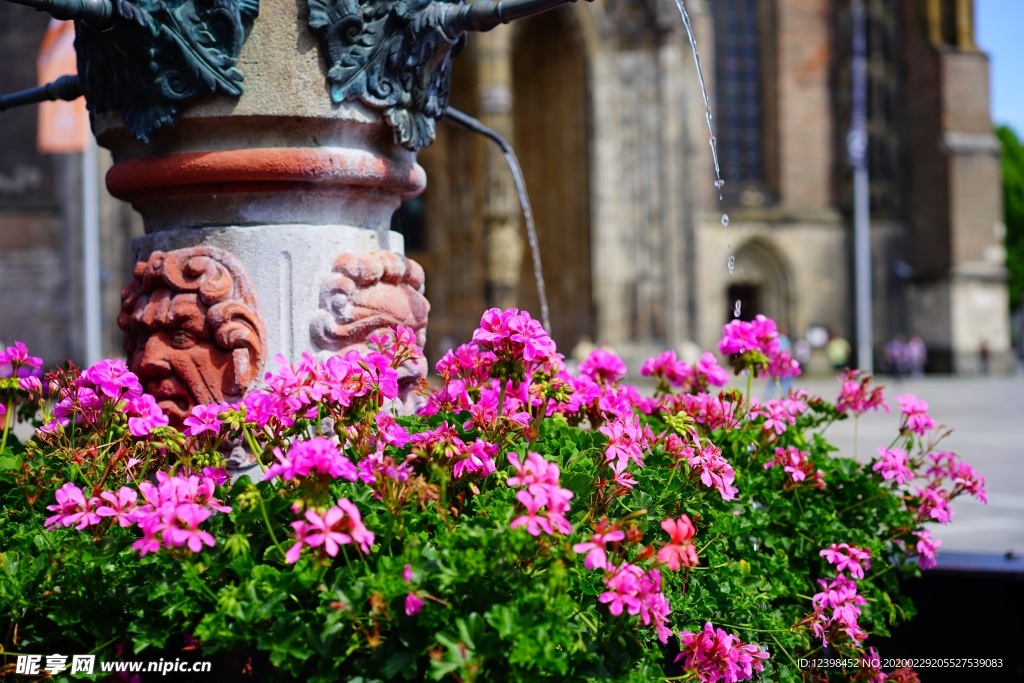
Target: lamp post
<point>857,151</point>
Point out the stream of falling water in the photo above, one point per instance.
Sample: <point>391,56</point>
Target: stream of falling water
<point>531,233</point>
<point>719,181</point>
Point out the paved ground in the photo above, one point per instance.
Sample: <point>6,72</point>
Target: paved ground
<point>987,416</point>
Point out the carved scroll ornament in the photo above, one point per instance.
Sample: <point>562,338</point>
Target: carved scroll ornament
<point>392,55</point>
<point>160,55</point>
<point>194,332</point>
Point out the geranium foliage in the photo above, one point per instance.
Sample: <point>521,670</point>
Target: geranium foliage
<point>527,524</point>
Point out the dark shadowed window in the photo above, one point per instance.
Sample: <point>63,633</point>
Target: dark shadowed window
<point>885,87</point>
<point>741,53</point>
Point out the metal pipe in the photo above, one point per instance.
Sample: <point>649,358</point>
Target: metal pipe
<point>470,123</point>
<point>484,15</point>
<point>64,88</point>
<point>99,14</point>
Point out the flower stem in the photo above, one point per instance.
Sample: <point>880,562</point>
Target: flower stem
<point>254,447</point>
<point>270,528</point>
<point>8,418</point>
<point>754,629</point>
<point>784,650</point>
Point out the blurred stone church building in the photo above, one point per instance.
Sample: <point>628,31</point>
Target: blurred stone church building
<point>603,106</point>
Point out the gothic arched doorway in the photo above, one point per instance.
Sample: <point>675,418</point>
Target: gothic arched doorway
<point>761,283</point>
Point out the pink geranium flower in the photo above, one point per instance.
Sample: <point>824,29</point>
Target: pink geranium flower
<point>73,508</point>
<point>857,395</point>
<point>926,547</point>
<point>597,555</point>
<point>314,457</point>
<point>204,419</point>
<point>915,414</point>
<point>679,551</point>
<point>714,655</point>
<point>119,506</point>
<point>339,525</point>
<point>847,557</point>
<point>894,465</point>
<point>413,604</point>
<point>603,367</point>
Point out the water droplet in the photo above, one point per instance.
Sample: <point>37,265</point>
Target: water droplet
<point>732,263</point>
<point>751,448</point>
<point>719,184</point>
<point>737,308</point>
<point>725,220</point>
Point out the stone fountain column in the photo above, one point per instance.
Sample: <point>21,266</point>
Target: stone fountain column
<point>267,201</point>
<point>266,144</point>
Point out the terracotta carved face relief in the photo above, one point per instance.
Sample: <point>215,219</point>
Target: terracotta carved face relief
<point>194,332</point>
<point>369,293</point>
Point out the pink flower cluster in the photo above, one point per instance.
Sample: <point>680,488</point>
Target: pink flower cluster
<point>512,335</point>
<point>637,592</point>
<point>744,341</point>
<point>603,367</point>
<point>837,606</point>
<point>339,381</point>
<point>837,609</point>
<point>964,477</point>
<point>627,442</point>
<point>667,369</point>
<point>795,463</point>
<point>205,419</point>
<point>545,501</point>
<point>317,457</point>
<point>780,414</point>
<point>894,465</point>
<point>463,371</point>
<point>846,557</point>
<point>679,551</point>
<point>339,525</point>
<point>443,443</point>
<point>597,553</point>
<point>708,464</point>
<point>107,383</point>
<point>932,503</point>
<point>169,514</point>
<point>926,548</point>
<point>915,414</point>
<point>714,655</point>
<point>714,412</point>
<point>16,362</point>
<point>857,395</point>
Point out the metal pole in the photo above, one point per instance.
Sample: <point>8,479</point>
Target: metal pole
<point>857,150</point>
<point>91,253</point>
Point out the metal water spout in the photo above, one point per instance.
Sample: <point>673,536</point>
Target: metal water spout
<point>485,15</point>
<point>99,14</point>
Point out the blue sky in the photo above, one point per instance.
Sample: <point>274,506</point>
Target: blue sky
<point>999,31</point>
